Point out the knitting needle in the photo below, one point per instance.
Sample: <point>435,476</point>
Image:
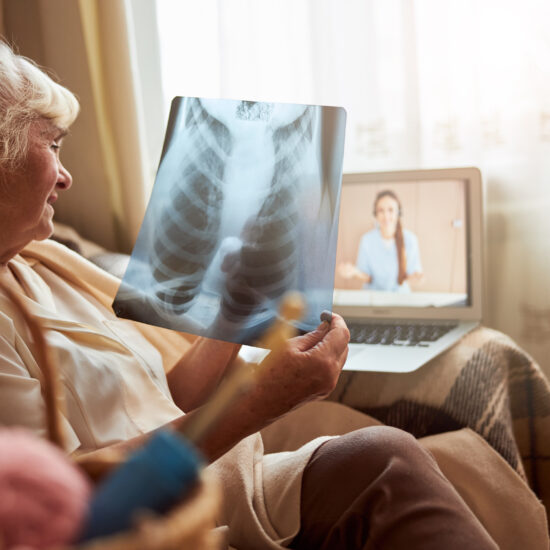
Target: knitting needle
<point>243,374</point>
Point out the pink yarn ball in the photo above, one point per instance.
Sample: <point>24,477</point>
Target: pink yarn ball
<point>43,496</point>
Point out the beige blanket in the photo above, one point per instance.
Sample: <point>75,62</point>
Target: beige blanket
<point>482,407</point>
<point>499,497</point>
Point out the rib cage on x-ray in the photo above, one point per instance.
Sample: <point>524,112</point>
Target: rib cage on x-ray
<point>268,259</point>
<point>244,208</point>
<point>185,239</point>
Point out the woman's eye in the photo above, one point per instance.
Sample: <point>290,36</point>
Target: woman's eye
<point>56,146</point>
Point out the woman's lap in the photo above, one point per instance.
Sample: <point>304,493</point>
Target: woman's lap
<point>378,488</point>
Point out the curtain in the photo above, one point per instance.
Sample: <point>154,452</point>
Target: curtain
<point>426,84</point>
<point>111,61</point>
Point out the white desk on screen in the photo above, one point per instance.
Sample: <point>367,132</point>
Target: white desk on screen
<point>379,298</point>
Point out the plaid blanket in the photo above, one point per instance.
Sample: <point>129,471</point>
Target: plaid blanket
<point>486,383</point>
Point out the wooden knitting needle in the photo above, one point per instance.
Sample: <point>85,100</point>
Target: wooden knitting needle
<point>243,374</point>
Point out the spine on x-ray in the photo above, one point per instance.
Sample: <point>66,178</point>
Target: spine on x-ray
<point>268,259</point>
<point>188,229</point>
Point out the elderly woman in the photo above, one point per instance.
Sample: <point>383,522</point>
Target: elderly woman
<point>372,488</point>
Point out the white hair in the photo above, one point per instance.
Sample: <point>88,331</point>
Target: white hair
<point>27,94</point>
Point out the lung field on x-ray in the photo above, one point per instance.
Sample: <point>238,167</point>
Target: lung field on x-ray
<point>187,233</point>
<point>269,255</point>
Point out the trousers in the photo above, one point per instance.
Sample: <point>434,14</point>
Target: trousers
<point>378,488</point>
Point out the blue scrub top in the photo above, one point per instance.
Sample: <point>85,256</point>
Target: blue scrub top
<point>378,258</point>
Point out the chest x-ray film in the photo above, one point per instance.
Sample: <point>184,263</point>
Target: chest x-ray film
<point>244,209</point>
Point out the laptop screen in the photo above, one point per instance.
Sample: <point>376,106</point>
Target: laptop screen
<point>403,242</point>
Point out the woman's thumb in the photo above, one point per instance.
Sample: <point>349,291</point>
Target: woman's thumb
<point>311,339</point>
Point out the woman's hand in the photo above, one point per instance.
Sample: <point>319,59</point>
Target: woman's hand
<point>416,277</point>
<point>306,369</point>
<point>347,270</point>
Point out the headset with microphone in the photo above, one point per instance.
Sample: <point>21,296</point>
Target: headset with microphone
<point>392,195</point>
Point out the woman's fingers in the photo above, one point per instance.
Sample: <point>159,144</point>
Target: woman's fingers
<point>321,354</point>
<point>333,336</point>
<point>307,369</point>
<point>310,339</point>
<point>337,337</point>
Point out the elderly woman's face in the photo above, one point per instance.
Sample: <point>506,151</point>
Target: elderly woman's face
<point>27,195</point>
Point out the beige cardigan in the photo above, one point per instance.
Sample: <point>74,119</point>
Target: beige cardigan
<point>261,475</point>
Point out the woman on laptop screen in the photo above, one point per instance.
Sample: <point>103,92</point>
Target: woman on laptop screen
<point>388,255</point>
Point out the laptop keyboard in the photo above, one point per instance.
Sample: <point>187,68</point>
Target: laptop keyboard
<point>403,334</point>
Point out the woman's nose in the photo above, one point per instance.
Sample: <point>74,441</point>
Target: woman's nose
<point>64,179</point>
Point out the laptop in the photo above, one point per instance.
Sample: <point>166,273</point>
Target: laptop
<point>409,268</point>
